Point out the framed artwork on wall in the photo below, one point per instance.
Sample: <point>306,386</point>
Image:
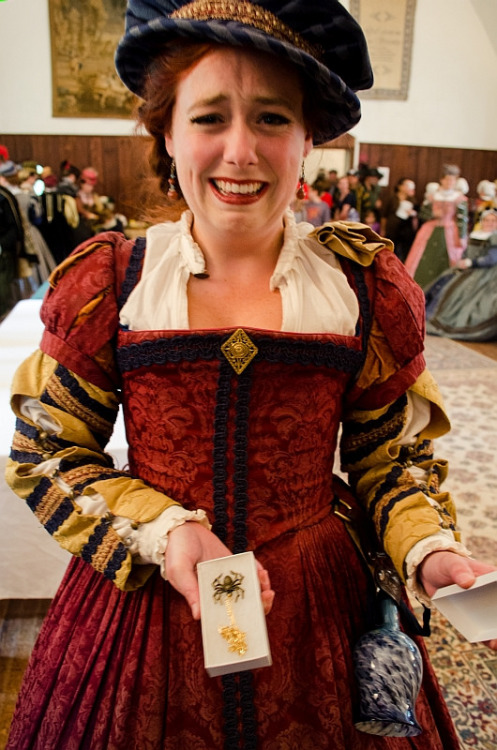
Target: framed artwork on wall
<point>84,35</point>
<point>389,29</point>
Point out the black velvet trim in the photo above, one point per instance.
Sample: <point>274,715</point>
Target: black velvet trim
<point>74,462</point>
<point>71,384</point>
<point>115,562</point>
<point>24,457</point>
<point>220,524</point>
<point>350,457</point>
<point>368,429</point>
<point>61,514</point>
<point>240,462</point>
<point>39,492</point>
<point>247,705</point>
<point>240,725</point>
<point>95,540</point>
<point>230,712</point>
<point>385,513</point>
<point>356,428</point>
<point>358,273</point>
<point>193,347</point>
<point>26,429</point>
<point>133,271</point>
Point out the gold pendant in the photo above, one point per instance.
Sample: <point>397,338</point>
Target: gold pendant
<point>239,350</point>
<point>228,590</point>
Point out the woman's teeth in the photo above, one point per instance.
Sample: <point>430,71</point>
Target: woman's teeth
<point>234,188</point>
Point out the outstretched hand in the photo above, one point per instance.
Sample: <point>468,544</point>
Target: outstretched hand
<point>192,543</point>
<point>445,568</point>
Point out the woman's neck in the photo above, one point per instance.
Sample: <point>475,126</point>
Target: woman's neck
<point>239,254</point>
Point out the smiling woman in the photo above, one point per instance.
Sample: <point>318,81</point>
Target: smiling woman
<point>238,343</point>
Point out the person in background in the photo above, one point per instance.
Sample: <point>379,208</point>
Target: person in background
<point>32,215</point>
<point>88,201</point>
<point>11,246</point>
<point>399,218</point>
<point>486,200</point>
<point>69,178</point>
<point>353,180</point>
<point>441,240</point>
<point>371,219</point>
<point>238,342</point>
<point>462,302</point>
<point>321,182</point>
<point>368,192</point>
<point>60,224</point>
<point>316,210</point>
<point>344,202</point>
<point>333,180</point>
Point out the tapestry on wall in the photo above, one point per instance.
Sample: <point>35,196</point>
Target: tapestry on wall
<point>389,29</point>
<point>84,36</point>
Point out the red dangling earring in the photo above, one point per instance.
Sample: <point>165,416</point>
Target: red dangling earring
<point>300,189</point>
<point>172,192</point>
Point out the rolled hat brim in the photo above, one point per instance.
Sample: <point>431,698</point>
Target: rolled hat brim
<point>143,42</point>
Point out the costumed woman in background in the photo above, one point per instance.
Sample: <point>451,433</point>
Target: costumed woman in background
<point>399,218</point>
<point>441,240</point>
<point>237,343</point>
<point>486,200</point>
<point>32,215</point>
<point>462,302</point>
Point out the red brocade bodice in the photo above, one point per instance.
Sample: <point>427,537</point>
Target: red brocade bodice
<point>254,450</point>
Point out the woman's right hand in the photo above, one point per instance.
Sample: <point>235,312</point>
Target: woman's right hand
<point>190,544</point>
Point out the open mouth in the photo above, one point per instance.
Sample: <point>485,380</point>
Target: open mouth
<point>238,189</point>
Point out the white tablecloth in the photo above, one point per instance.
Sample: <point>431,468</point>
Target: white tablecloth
<point>31,562</point>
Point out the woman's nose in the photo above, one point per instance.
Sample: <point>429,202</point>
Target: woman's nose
<point>241,145</point>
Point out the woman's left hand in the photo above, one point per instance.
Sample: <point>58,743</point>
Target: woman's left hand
<point>445,568</point>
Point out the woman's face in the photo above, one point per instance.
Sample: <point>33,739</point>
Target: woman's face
<point>448,182</point>
<point>489,223</point>
<point>238,137</point>
<point>409,187</point>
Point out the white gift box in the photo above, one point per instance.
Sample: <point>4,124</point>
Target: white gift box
<point>473,612</point>
<point>230,603</point>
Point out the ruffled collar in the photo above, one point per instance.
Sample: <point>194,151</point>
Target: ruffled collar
<point>192,259</point>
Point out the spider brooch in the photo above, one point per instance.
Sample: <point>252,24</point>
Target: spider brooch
<point>228,586</point>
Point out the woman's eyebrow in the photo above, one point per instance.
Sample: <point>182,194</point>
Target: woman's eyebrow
<point>209,101</point>
<point>271,101</point>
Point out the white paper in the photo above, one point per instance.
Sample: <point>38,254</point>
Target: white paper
<point>473,612</point>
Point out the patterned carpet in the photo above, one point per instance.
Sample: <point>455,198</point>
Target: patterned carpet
<point>467,672</point>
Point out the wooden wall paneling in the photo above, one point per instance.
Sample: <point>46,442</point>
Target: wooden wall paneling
<point>423,164</point>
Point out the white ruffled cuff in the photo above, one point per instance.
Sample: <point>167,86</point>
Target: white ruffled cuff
<point>151,538</point>
<point>442,540</point>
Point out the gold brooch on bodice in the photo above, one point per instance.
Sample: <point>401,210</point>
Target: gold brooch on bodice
<point>239,350</point>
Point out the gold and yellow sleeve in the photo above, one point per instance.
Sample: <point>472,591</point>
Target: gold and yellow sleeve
<point>50,467</point>
<point>404,508</point>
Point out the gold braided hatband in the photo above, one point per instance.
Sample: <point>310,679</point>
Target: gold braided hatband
<point>248,14</point>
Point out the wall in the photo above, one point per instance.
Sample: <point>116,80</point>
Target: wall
<point>452,99</point>
<point>451,102</point>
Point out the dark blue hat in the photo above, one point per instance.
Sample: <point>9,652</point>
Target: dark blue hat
<point>321,38</point>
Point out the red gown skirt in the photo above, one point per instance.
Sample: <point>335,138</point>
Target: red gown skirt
<point>124,671</point>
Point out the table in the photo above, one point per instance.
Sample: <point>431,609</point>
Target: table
<point>31,562</point>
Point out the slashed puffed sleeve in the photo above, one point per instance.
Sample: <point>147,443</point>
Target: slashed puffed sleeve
<point>66,398</point>
<point>397,479</point>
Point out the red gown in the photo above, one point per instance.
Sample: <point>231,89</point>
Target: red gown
<point>117,670</point>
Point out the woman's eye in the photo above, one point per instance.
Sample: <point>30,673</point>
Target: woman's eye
<point>272,118</point>
<point>211,119</point>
